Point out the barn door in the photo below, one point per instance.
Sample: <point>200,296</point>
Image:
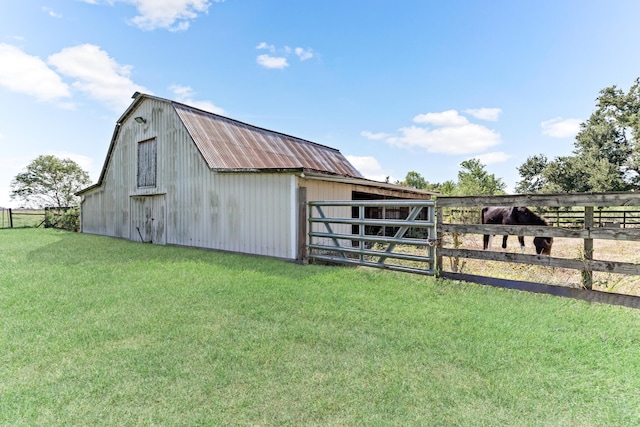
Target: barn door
<point>148,219</point>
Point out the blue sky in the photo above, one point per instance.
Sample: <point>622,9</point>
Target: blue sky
<point>395,86</point>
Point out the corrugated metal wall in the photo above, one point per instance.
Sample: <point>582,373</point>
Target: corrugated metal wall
<point>318,190</point>
<point>240,212</point>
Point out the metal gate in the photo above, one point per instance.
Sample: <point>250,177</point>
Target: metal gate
<point>392,234</point>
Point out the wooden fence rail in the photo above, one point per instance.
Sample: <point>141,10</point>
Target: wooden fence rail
<point>572,218</point>
<point>588,231</point>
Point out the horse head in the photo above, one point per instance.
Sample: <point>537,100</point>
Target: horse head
<point>543,245</point>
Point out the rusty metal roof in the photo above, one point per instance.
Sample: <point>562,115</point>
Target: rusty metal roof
<point>231,145</point>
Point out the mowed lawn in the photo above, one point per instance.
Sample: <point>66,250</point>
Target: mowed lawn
<point>101,331</point>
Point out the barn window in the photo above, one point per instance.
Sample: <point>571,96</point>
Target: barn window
<point>147,155</point>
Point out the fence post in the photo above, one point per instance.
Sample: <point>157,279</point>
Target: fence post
<point>302,256</point>
<point>10,218</point>
<point>439,214</point>
<point>361,231</point>
<point>587,274</point>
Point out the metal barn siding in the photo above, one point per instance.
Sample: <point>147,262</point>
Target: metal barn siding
<point>211,182</point>
<point>318,190</point>
<point>239,212</point>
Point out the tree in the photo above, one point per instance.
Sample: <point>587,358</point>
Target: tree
<point>50,182</point>
<point>532,173</point>
<point>606,155</point>
<point>447,188</point>
<point>415,180</point>
<point>473,179</point>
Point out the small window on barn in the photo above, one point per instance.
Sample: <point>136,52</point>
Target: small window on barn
<point>147,156</point>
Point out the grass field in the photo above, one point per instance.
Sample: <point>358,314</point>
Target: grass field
<point>100,331</point>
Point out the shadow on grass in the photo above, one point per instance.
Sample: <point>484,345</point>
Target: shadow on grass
<point>86,249</point>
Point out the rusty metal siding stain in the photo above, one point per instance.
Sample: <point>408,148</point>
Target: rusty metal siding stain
<point>228,144</point>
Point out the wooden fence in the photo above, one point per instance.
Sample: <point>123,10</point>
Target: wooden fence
<point>588,230</point>
<point>603,216</point>
<point>63,217</point>
<point>21,218</point>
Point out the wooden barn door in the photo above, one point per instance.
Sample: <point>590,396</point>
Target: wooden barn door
<point>148,215</point>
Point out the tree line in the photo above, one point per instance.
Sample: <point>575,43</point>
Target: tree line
<point>606,157</point>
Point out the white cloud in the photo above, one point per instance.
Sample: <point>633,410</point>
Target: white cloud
<point>23,73</point>
<point>173,15</point>
<point>97,74</point>
<point>445,118</point>
<point>374,136</point>
<point>278,57</point>
<point>488,114</point>
<point>272,62</point>
<point>465,139</point>
<point>185,95</point>
<point>304,54</point>
<point>51,12</point>
<point>370,168</point>
<point>449,133</point>
<point>493,157</point>
<point>561,128</point>
<point>265,46</point>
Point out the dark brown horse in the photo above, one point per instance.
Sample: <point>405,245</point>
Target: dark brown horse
<point>519,215</point>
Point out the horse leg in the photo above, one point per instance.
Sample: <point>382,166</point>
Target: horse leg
<point>486,241</point>
<point>504,242</point>
<point>521,240</point>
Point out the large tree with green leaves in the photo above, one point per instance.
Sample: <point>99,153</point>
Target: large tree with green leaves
<point>415,180</point>
<point>473,179</point>
<point>49,181</point>
<point>606,156</point>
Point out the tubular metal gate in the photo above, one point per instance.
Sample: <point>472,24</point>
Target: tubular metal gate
<point>392,234</point>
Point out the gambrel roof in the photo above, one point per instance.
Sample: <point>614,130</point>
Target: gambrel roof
<point>231,145</point>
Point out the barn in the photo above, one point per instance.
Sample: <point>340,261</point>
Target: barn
<point>178,175</point>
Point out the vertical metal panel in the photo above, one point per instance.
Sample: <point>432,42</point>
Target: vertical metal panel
<point>328,190</point>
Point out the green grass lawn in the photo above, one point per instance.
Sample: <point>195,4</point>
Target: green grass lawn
<point>100,331</point>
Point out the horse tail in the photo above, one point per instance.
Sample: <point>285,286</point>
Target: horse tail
<point>482,214</point>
